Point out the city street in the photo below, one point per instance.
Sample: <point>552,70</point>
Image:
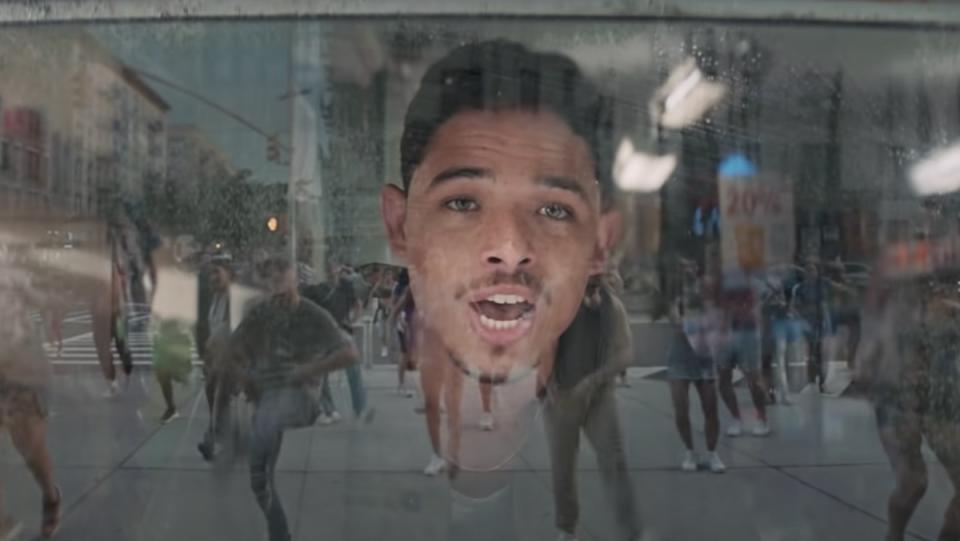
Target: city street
<point>820,476</point>
<point>78,345</point>
<point>757,183</point>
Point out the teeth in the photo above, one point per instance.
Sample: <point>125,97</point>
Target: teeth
<point>497,324</point>
<point>505,299</point>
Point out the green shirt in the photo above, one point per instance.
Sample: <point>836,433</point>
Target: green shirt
<point>595,345</point>
<point>276,337</point>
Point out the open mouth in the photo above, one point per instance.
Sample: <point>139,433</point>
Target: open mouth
<point>502,317</point>
<point>500,312</point>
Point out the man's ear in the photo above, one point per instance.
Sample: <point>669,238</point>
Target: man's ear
<point>393,210</point>
<point>609,232</point>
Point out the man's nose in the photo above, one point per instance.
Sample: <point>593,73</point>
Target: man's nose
<point>508,247</point>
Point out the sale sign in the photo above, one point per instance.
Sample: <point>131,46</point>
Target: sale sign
<point>756,224</point>
<point>920,258</point>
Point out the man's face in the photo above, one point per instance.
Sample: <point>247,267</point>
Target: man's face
<point>281,279</point>
<point>220,278</point>
<point>501,229</point>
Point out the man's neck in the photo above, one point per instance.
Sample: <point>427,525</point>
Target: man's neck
<point>433,350</point>
<point>289,297</point>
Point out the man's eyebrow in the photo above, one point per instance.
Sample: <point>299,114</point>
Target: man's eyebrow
<point>460,173</point>
<point>564,183</point>
<point>470,173</point>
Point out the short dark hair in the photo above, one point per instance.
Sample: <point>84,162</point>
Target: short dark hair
<point>273,264</point>
<point>503,75</point>
<point>222,262</point>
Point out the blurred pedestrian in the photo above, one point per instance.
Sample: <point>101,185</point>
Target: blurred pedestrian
<point>811,302</point>
<point>580,396</point>
<point>910,366</point>
<point>24,391</point>
<point>738,325</point>
<point>171,322</point>
<point>691,362</point>
<point>284,345</point>
<point>340,298</point>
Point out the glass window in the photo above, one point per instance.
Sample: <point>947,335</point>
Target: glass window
<point>509,272</point>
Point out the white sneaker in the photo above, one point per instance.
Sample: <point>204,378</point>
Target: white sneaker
<point>716,465</point>
<point>113,389</point>
<point>564,536</point>
<point>437,464</point>
<point>689,463</point>
<point>366,416</point>
<point>324,420</point>
<point>169,415</point>
<point>810,388</point>
<point>335,417</point>
<point>735,428</point>
<point>761,429</point>
<point>486,422</point>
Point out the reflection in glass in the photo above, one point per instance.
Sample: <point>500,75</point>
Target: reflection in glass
<point>783,240</point>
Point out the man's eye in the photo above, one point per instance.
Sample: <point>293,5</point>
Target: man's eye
<point>462,204</point>
<point>555,212</point>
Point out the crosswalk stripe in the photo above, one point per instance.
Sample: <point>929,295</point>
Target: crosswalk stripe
<point>67,362</point>
<point>84,316</point>
<point>82,351</point>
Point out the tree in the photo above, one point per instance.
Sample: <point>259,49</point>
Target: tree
<point>169,209</point>
<point>233,211</point>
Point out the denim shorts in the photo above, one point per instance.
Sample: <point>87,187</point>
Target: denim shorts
<point>742,350</point>
<point>790,329</point>
<point>685,364</point>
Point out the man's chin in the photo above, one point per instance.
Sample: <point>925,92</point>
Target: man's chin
<point>495,373</point>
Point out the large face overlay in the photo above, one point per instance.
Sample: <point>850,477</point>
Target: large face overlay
<point>501,228</point>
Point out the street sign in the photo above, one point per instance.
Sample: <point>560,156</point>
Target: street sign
<point>756,219</point>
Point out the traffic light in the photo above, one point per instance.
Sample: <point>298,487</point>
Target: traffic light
<point>273,149</point>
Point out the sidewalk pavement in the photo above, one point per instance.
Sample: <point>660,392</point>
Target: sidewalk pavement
<point>820,476</point>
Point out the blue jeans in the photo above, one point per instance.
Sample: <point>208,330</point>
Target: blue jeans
<point>358,393</point>
<point>276,411</point>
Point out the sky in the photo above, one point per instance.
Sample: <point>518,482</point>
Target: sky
<point>242,66</point>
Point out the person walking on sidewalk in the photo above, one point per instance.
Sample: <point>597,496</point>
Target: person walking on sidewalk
<point>284,345</point>
<point>24,390</point>
<point>580,397</point>
<point>213,334</point>
<point>124,306</point>
<point>739,332</point>
<point>108,309</point>
<point>811,301</point>
<point>400,326</point>
<point>909,367</point>
<point>690,361</point>
<point>339,298</point>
